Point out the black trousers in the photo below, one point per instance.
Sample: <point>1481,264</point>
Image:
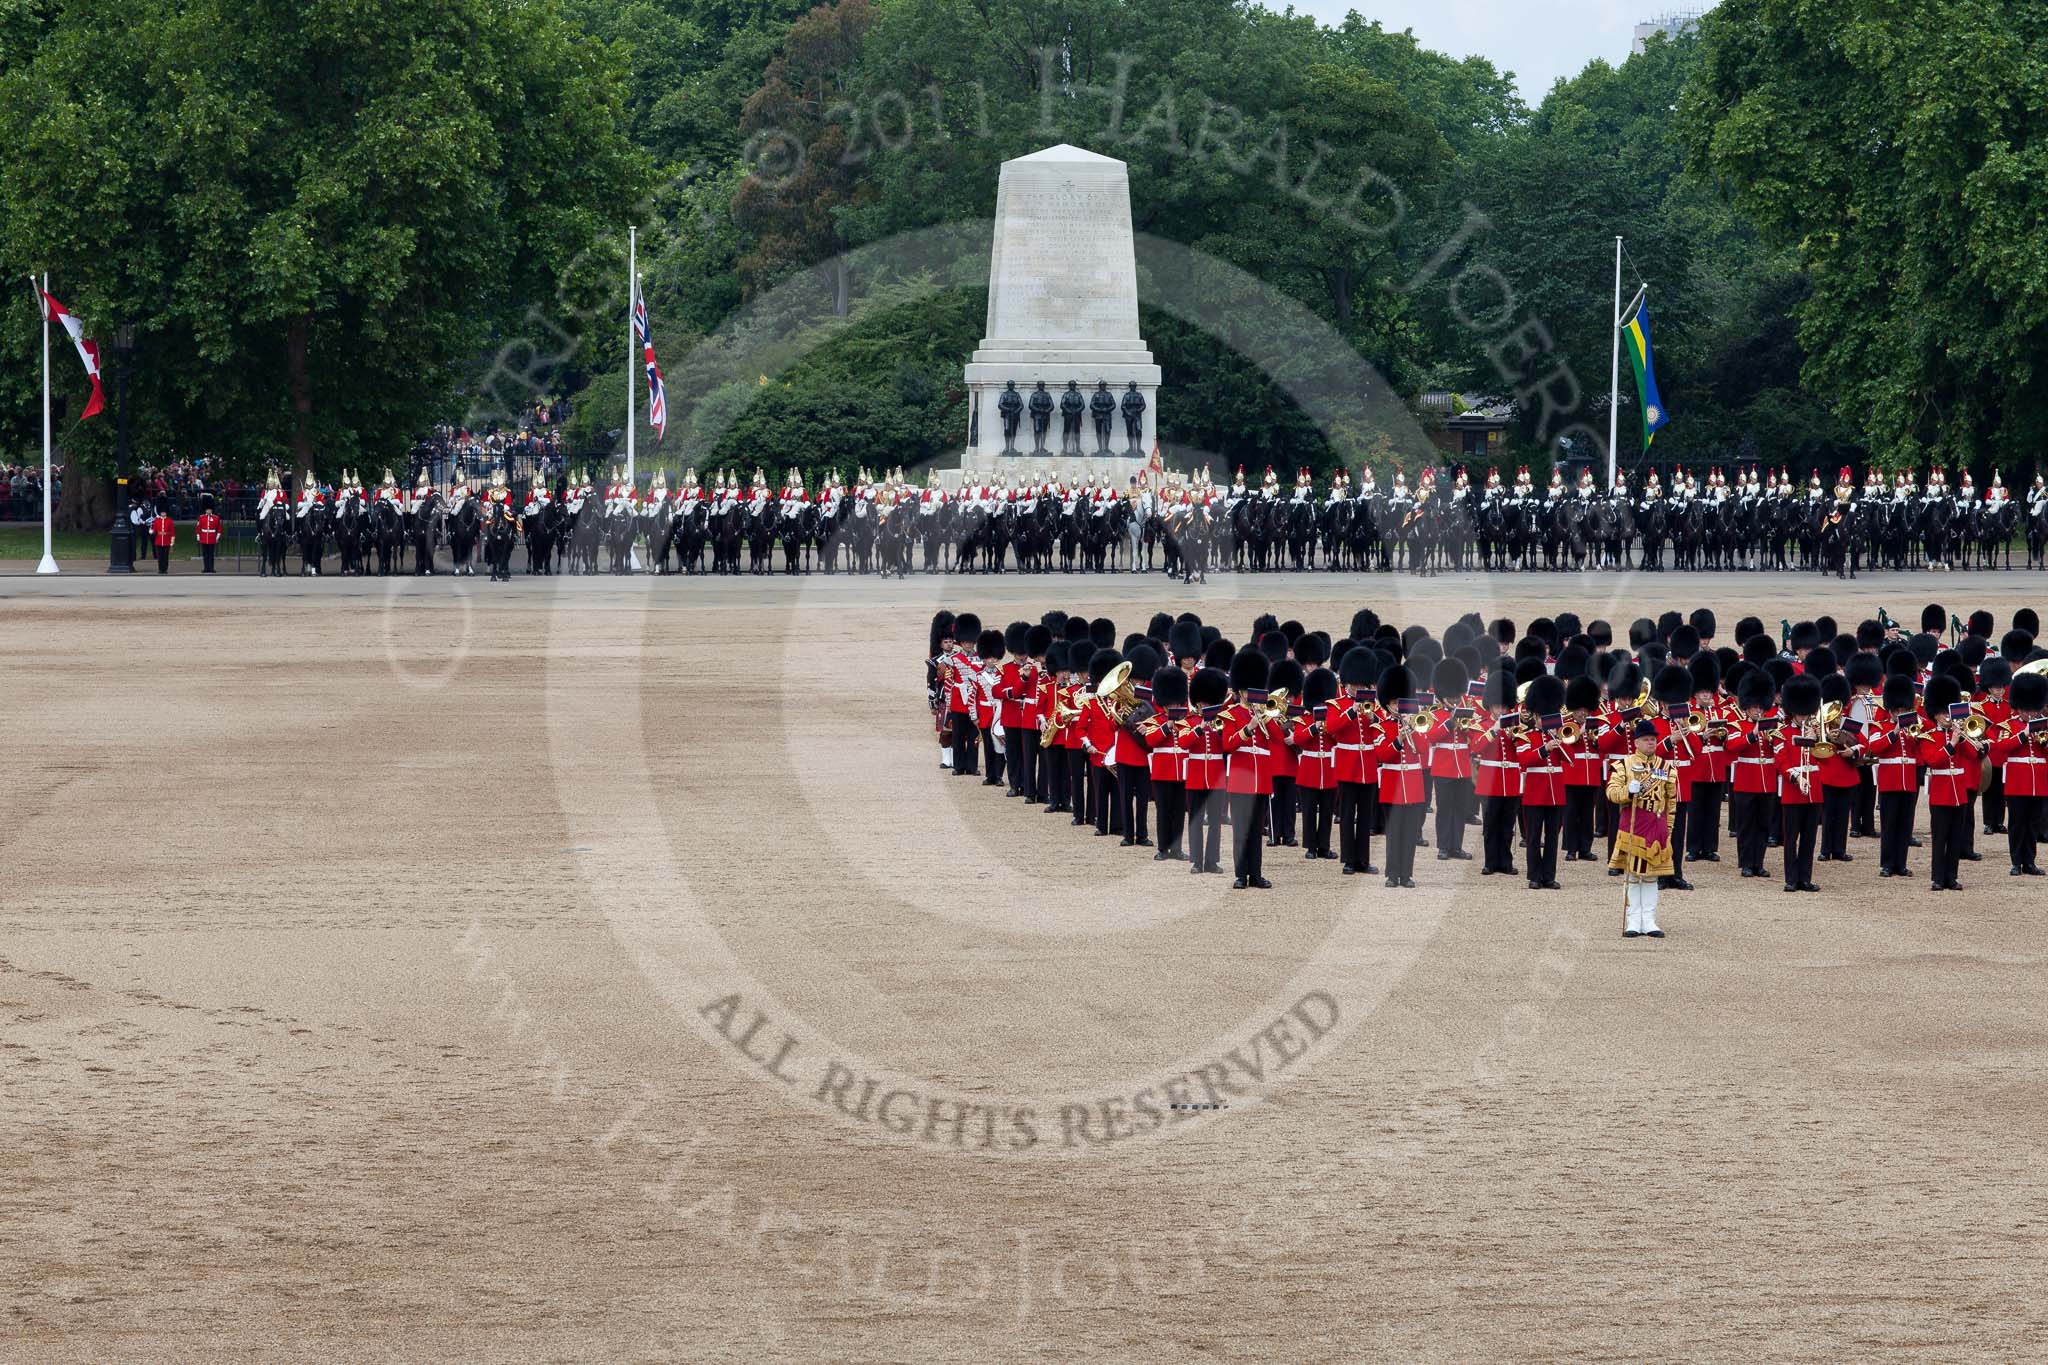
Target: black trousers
<point>992,755</point>
<point>1863,824</point>
<point>1318,809</point>
<point>1947,825</point>
<point>1404,829</point>
<point>1751,812</point>
<point>1205,828</point>
<point>1248,833</point>
<point>1013,757</point>
<point>1358,809</point>
<point>963,744</point>
<point>1543,825</point>
<point>1681,822</point>
<point>1454,802</point>
<point>1078,784</point>
<point>163,559</point>
<point>206,557</point>
<point>1133,794</point>
<point>1895,812</point>
<point>1172,800</point>
<point>2023,828</point>
<point>1052,776</point>
<point>1101,802</point>
<point>1969,828</point>
<point>1579,803</point>
<point>1835,805</point>
<point>1497,832</point>
<point>1800,824</point>
<point>1703,833</point>
<point>1282,808</point>
<point>1994,801</point>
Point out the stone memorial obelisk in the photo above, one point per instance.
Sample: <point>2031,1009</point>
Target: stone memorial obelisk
<point>1062,310</point>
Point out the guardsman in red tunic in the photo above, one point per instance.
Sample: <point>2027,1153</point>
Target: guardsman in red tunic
<point>1050,703</point>
<point>958,671</point>
<point>1542,757</point>
<point>1497,773</point>
<point>1889,742</point>
<point>164,534</point>
<point>1315,774</point>
<point>1098,737</point>
<point>1837,773</point>
<point>1401,773</point>
<point>1752,770</point>
<point>1132,764</point>
<point>1585,779</point>
<point>1250,732</point>
<point>1798,775</point>
<point>1360,741</point>
<point>938,682</point>
<point>1450,759</point>
<point>1286,675</point>
<point>1679,747</point>
<point>1202,737</point>
<point>1949,759</point>
<point>988,664</point>
<point>2020,752</point>
<point>1168,758</point>
<point>1016,682</point>
<point>1710,760</point>
<point>209,532</point>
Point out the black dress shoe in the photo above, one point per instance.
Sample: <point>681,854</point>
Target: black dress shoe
<point>1486,872</point>
<point>1938,886</point>
<point>1126,842</point>
<point>1845,857</point>
<point>1614,872</point>
<point>1913,841</point>
<point>1954,885</point>
<point>1462,856</point>
<point>1239,884</point>
<point>1789,888</point>
<point>1825,858</point>
<point>1708,858</point>
<point>1553,886</point>
<point>1884,872</point>
<point>1408,883</point>
<point>1162,856</point>
<point>1197,870</point>
<point>1348,870</point>
<point>1143,842</point>
<point>2017,872</point>
<point>1654,933</point>
<point>1393,881</point>
<point>1510,870</point>
<point>1630,933</point>
<point>1570,856</point>
<point>1287,843</point>
<point>2033,871</point>
<point>1369,870</point>
<point>1262,884</point>
<point>1808,886</point>
<point>1213,867</point>
<point>1973,857</point>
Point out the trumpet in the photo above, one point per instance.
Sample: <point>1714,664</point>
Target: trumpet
<point>1695,723</point>
<point>1420,722</point>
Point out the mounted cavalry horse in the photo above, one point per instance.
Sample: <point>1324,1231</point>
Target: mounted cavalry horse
<point>273,538</point>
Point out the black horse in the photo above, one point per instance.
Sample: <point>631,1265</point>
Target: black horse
<point>387,530</point>
<point>312,539</point>
<point>273,538</point>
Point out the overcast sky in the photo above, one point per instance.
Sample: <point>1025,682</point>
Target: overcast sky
<point>1538,40</point>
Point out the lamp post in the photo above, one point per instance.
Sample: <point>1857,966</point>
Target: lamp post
<point>121,545</point>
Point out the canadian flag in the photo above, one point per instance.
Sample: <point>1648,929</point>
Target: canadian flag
<point>88,349</point>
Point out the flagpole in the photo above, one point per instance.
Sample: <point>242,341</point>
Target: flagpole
<point>1614,373</point>
<point>632,400</point>
<point>49,564</point>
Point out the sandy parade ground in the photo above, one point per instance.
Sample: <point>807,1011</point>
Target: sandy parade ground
<point>604,969</point>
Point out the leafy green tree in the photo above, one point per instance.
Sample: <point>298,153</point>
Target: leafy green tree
<point>314,212</point>
<point>1899,152</point>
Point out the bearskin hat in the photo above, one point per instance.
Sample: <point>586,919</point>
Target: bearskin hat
<point>1800,698</point>
<point>1745,628</point>
<point>1641,631</point>
<point>1056,657</point>
<point>2029,691</point>
<point>1145,660</point>
<point>1544,629</point>
<point>1672,684</point>
<point>1423,655</point>
<point>1581,694</point>
<point>1652,657</point>
<point>1571,661</point>
<point>1340,649</point>
<point>1210,635</point>
<point>1273,645</point>
<point>1869,635</point>
<point>1757,690</point>
<point>1933,618</point>
<point>1160,626</point>
<point>1249,671</point>
<point>1973,648</point>
<point>1184,640</point>
<point>1527,669</point>
<point>1312,649</point>
<point>1805,635</point>
<point>2014,645</point>
<point>1191,618</point>
<point>1827,628</point>
<point>1568,625</point>
<point>1994,672</point>
<point>1100,663</point>
<point>1360,667</point>
<point>1292,630</point>
<point>1835,688</point>
<point>1625,681</point>
<point>1077,632</point>
<point>1923,648</point>
<point>1706,673</point>
<point>1545,697</point>
<point>1102,633</point>
<point>1365,623</point>
<point>1601,631</point>
<point>1449,678</point>
<point>1396,684</point>
<point>1286,676</point>
<point>1667,622</point>
<point>1475,662</point>
<point>1820,661</point>
<point>1684,643</point>
<point>1264,622</point>
<point>2028,620</point>
<point>1500,690</point>
<point>1503,631</point>
<point>1319,687</point>
<point>1219,654</point>
<point>942,627</point>
<point>966,626</point>
<point>1037,639</point>
<point>1208,687</point>
<point>1017,636</point>
<point>1726,656</point>
<point>1055,621</point>
<point>1702,620</point>
<point>1169,687</point>
<point>1758,648</point>
<point>990,644</point>
<point>1981,624</point>
<point>1865,670</point>
<point>1898,660</point>
<point>1942,692</point>
<point>1531,647</point>
<point>1898,694</point>
<point>1456,636</point>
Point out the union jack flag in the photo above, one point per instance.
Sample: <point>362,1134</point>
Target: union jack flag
<point>657,399</point>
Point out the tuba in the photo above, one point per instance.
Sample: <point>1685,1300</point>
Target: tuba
<point>1116,693</point>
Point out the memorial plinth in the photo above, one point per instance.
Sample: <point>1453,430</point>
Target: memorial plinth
<point>1062,306</point>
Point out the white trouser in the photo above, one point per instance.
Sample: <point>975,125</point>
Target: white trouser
<point>1642,906</point>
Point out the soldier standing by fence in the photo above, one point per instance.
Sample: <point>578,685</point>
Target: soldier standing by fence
<point>209,532</point>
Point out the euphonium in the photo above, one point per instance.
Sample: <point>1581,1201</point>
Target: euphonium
<point>1974,726</point>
